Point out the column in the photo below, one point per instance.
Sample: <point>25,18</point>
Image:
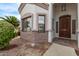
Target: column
<point>78,24</point>
<point>35,22</point>
<point>50,18</point>
<point>34,28</point>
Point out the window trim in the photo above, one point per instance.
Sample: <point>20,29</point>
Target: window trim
<point>30,16</point>
<point>44,22</point>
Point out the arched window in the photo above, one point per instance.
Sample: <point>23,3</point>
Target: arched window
<point>63,7</point>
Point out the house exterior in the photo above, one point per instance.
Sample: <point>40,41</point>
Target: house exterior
<point>42,22</point>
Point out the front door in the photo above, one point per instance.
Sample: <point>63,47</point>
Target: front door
<point>65,26</point>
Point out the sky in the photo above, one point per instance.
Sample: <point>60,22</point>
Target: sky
<point>9,9</point>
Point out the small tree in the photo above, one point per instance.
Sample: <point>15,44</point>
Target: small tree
<point>11,19</point>
<point>14,21</point>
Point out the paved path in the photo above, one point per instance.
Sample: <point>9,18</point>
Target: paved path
<point>60,50</point>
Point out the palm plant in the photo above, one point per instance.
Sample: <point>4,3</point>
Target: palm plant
<point>11,19</point>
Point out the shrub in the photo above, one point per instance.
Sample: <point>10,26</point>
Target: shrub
<point>6,33</point>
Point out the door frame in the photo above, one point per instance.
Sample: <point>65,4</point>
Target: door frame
<point>70,27</point>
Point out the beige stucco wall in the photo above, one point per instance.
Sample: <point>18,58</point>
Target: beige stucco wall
<point>35,10</point>
<point>31,8</point>
<point>71,10</point>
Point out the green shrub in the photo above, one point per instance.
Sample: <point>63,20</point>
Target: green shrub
<point>6,33</point>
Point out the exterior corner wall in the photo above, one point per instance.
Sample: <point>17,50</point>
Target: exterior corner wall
<point>34,35</point>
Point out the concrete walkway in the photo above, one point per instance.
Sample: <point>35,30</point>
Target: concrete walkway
<point>60,50</point>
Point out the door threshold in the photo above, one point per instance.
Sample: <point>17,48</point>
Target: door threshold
<point>63,38</point>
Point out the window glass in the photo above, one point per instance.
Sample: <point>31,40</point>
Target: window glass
<point>41,23</point>
<point>63,7</point>
<point>56,27</point>
<point>73,26</point>
<point>27,24</point>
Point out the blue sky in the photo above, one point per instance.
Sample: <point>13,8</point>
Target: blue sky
<point>9,9</point>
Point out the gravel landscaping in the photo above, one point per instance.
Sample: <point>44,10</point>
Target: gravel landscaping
<point>20,47</point>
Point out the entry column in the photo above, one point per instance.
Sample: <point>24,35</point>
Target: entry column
<point>78,24</point>
<point>50,18</point>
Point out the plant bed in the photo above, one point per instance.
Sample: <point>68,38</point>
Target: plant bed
<point>24,48</point>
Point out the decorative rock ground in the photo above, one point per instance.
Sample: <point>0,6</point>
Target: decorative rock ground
<point>20,47</point>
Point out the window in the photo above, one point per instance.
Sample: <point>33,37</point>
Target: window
<point>63,7</point>
<point>73,26</point>
<point>27,24</point>
<point>41,23</point>
<point>56,27</point>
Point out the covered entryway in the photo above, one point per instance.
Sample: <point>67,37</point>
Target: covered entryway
<point>64,20</point>
<point>63,17</point>
<point>65,26</point>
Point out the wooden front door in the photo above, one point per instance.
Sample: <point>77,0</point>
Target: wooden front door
<point>65,26</point>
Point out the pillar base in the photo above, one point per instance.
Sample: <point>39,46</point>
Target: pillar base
<point>78,39</point>
<point>50,37</point>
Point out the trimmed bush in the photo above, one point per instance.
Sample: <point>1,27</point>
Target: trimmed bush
<point>6,33</point>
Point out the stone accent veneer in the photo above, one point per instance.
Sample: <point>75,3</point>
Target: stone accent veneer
<point>36,37</point>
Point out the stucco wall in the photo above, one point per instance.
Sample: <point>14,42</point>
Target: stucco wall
<point>71,9</point>
<point>33,36</point>
<point>31,8</point>
<point>35,10</point>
